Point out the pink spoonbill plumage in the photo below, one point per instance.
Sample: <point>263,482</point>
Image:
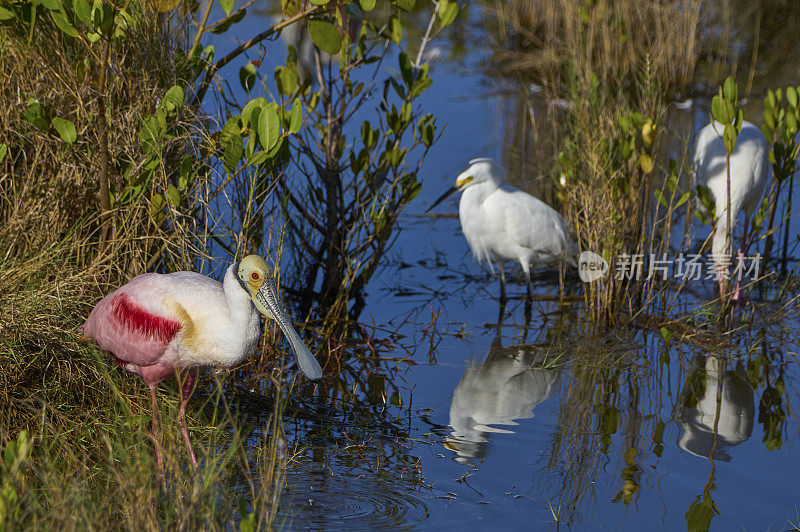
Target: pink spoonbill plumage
<point>159,325</point>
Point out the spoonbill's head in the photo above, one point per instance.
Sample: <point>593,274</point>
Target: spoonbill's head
<point>255,277</point>
<point>480,171</point>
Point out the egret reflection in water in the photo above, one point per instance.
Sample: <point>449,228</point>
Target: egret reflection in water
<point>697,409</point>
<point>506,387</point>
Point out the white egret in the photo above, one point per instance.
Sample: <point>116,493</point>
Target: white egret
<point>502,223</point>
<point>749,171</point>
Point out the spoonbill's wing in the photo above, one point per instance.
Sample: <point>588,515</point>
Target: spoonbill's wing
<point>129,323</point>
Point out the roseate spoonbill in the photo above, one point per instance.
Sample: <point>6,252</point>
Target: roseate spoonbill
<point>503,223</point>
<point>749,172</point>
<point>161,325</point>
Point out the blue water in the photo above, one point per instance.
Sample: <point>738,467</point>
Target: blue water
<point>531,423</point>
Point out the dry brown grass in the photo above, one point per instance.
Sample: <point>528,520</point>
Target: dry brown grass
<point>91,461</point>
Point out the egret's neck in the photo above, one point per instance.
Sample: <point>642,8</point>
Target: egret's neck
<point>240,304</point>
<point>475,194</point>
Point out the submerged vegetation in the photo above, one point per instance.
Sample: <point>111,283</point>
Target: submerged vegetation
<point>129,144</point>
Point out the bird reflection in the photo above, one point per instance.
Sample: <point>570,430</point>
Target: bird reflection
<point>697,409</point>
<point>504,388</point>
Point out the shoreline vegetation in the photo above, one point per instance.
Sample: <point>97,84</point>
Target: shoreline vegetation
<point>109,168</point>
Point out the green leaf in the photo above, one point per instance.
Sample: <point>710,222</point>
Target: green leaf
<point>412,192</point>
<point>6,14</point>
<point>406,69</point>
<point>226,5</point>
<point>149,134</point>
<point>233,152</point>
<point>174,96</point>
<point>157,208</point>
<point>107,25</point>
<point>173,195</point>
<point>228,22</point>
<point>419,87</point>
<point>395,29</point>
<point>65,129</point>
<point>447,11</point>
<point>36,115</point>
<point>186,173</point>
<point>791,96</point>
<point>286,79</point>
<point>428,133</point>
<point>248,110</point>
<point>62,22</point>
<point>83,10</point>
<point>367,5</point>
<point>319,2</point>
<point>247,76</point>
<point>268,127</point>
<point>718,110</point>
<point>296,120</point>
<point>52,5</point>
<point>3,151</point>
<point>729,90</point>
<point>367,134</point>
<point>325,36</point>
<point>683,199</point>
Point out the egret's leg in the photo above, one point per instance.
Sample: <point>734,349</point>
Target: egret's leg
<point>529,288</point>
<point>528,291</point>
<point>155,428</point>
<point>738,295</point>
<point>186,392</point>
<point>502,268</point>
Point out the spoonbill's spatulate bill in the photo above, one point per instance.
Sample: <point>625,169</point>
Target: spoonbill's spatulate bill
<point>749,172</point>
<point>161,325</point>
<point>502,223</point>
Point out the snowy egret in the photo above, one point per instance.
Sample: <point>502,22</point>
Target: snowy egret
<point>749,172</point>
<point>158,325</point>
<point>502,223</point>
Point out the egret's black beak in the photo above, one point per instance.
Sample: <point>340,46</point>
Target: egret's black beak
<point>443,197</point>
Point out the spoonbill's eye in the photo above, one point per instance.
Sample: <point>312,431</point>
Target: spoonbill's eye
<point>254,276</point>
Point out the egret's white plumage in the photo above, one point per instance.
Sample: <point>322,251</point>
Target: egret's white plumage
<point>502,223</point>
<point>749,169</point>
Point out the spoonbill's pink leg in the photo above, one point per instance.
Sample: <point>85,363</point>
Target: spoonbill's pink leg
<point>155,427</point>
<point>186,392</point>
